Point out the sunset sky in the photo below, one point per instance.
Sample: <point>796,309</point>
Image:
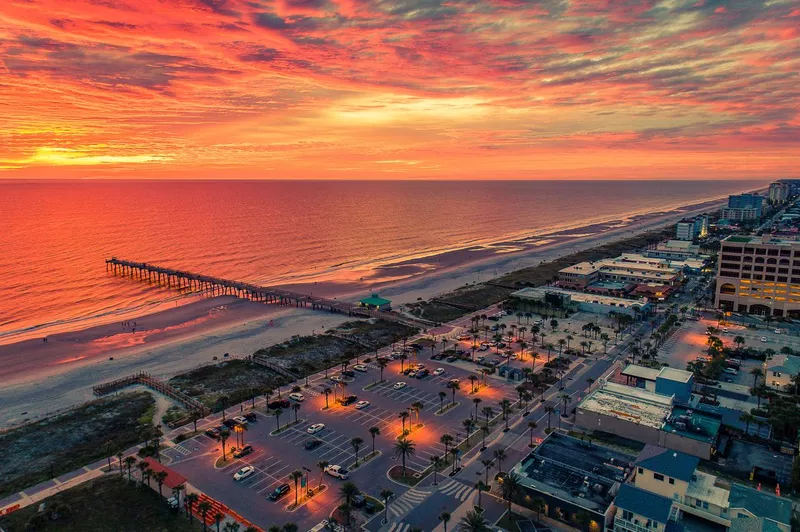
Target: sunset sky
<point>393,89</point>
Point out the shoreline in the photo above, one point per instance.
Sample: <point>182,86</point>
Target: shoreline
<point>62,371</point>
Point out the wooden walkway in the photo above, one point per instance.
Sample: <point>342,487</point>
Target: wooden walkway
<point>179,279</point>
<point>145,379</point>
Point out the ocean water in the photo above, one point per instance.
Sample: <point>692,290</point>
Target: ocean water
<point>54,236</point>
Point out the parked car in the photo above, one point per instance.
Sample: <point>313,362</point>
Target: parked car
<point>251,416</point>
<point>359,500</point>
<point>296,396</point>
<point>412,373</point>
<point>337,471</point>
<point>316,427</point>
<point>243,473</point>
<point>437,356</point>
<point>310,445</point>
<point>349,373</point>
<point>230,423</point>
<point>454,381</point>
<point>764,339</point>
<point>399,385</point>
<point>349,400</point>
<point>279,403</point>
<point>213,432</point>
<point>362,404</point>
<point>438,371</point>
<point>241,420</point>
<point>279,492</point>
<point>360,367</point>
<point>244,451</point>
<point>730,371</point>
<point>369,507</point>
<point>423,373</point>
<point>336,378</point>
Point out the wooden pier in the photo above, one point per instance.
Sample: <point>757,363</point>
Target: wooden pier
<point>145,379</point>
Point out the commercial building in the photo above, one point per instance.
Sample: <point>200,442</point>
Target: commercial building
<point>665,381</point>
<point>627,268</point>
<point>574,476</point>
<point>689,229</point>
<point>582,301</point>
<point>780,371</point>
<point>759,275</point>
<point>674,250</point>
<point>778,192</point>
<point>648,417</point>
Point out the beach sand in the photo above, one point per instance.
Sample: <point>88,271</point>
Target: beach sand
<point>40,377</point>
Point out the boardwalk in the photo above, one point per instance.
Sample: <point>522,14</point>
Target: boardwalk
<point>179,279</point>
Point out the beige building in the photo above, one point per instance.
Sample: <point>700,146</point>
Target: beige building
<point>759,275</point>
<point>780,370</point>
<point>627,268</point>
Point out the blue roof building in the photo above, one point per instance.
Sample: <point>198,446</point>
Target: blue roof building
<point>640,507</point>
<point>747,502</point>
<point>668,462</point>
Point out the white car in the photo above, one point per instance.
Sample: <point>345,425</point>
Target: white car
<point>764,339</point>
<point>438,371</point>
<point>419,367</point>
<point>399,385</point>
<point>777,331</point>
<point>395,355</point>
<point>360,367</point>
<point>240,420</point>
<point>316,427</point>
<point>454,381</point>
<point>362,404</point>
<point>244,472</point>
<point>296,397</point>
<point>337,378</point>
<point>337,471</point>
<point>412,373</point>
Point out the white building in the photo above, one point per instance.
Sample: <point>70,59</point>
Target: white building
<point>778,192</point>
<point>780,370</point>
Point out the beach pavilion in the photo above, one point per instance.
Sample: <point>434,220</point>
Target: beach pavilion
<point>376,303</point>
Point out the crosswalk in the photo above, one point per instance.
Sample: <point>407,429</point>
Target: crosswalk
<point>407,501</point>
<point>457,490</point>
<point>181,449</point>
<point>399,527</point>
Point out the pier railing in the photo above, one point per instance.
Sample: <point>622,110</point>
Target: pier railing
<point>145,379</point>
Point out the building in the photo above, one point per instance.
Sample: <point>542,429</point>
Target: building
<point>759,275</point>
<point>627,268</point>
<point>740,215</point>
<point>749,503</point>
<point>665,381</point>
<point>639,510</point>
<point>778,192</point>
<point>648,417</point>
<point>580,301</point>
<point>376,303</point>
<point>689,229</point>
<point>574,476</point>
<point>780,370</point>
<point>746,201</point>
<point>674,250</point>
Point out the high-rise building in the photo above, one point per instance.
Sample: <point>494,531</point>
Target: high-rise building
<point>778,192</point>
<point>689,229</point>
<point>746,201</point>
<point>759,275</point>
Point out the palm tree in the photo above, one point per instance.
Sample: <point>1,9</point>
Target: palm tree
<point>477,401</point>
<point>322,464</point>
<point>204,507</point>
<point>444,517</point>
<point>454,386</point>
<point>160,477</point>
<point>435,462</point>
<point>403,416</point>
<point>296,475</point>
<point>747,418</point>
<point>218,517</point>
<point>499,455</point>
<point>176,492</point>
<point>327,392</point>
<point>485,431</point>
<point>295,407</point>
<point>468,424</point>
<point>386,494</point>
<point>474,522</point>
<point>289,527</point>
<point>487,463</point>
<point>472,379</point>
<point>538,505</point>
<point>277,413</point>
<point>481,487</point>
<point>130,461</point>
<point>143,469</point>
<point>446,440</point>
<point>190,501</point>
<point>356,443</point>
<point>374,431</point>
<point>119,462</point>
<point>488,412</point>
<point>382,363</point>
<point>531,426</point>
<point>455,452</point>
<point>442,396</point>
<point>549,409</point>
<point>404,448</point>
<point>234,527</point>
<point>416,407</point>
<point>224,434</point>
<point>402,358</point>
<point>348,491</point>
<point>511,486</point>
<point>222,401</point>
<point>565,400</point>
<point>605,338</point>
<point>757,374</point>
<point>504,405</point>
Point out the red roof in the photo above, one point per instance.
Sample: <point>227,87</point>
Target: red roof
<point>173,479</point>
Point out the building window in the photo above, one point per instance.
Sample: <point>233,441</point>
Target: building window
<point>626,515</point>
<point>641,471</point>
<point>658,476</point>
<point>705,505</point>
<point>697,503</point>
<point>671,480</point>
<point>776,374</point>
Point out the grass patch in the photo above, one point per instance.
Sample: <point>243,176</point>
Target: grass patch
<point>509,521</point>
<point>106,504</point>
<point>368,387</point>
<point>286,426</point>
<point>68,441</point>
<point>409,479</point>
<point>238,380</point>
<point>445,408</point>
<point>363,461</point>
<point>174,413</point>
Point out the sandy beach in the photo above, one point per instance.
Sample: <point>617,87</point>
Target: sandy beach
<point>41,377</point>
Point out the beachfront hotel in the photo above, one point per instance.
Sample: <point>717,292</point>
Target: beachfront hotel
<point>759,275</point>
<point>627,268</point>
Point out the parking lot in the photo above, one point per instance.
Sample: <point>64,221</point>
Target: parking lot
<point>276,456</point>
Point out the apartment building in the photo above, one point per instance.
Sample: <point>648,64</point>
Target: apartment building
<point>780,370</point>
<point>778,192</point>
<point>759,275</point>
<point>630,268</point>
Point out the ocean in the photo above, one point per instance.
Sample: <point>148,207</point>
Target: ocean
<point>55,236</point>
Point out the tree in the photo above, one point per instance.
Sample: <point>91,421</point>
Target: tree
<point>322,464</point>
<point>472,379</point>
<point>481,487</point>
<point>143,470</point>
<point>435,463</point>
<point>190,501</point>
<point>234,527</point>
<point>290,527</point>
<point>565,400</point>
<point>403,416</point>
<point>218,517</point>
<point>505,404</point>
<point>296,475</point>
<point>739,341</point>
<point>348,491</point>
<point>499,455</point>
<point>160,477</point>
<point>455,452</point>
<point>454,386</point>
<point>442,396</point>
<point>757,374</point>
<point>356,443</point>
<point>553,324</point>
<point>222,401</point>
<point>583,519</point>
<point>485,431</point>
<point>511,487</point>
<point>747,419</point>
<point>444,517</point>
<point>296,408</point>
<point>204,507</point>
<point>416,407</point>
<point>224,434</point>
<point>446,440</point>
<point>468,424</point>
<point>487,463</point>
<point>474,522</point>
<point>538,505</point>
<point>277,413</point>
<point>386,494</point>
<point>374,431</point>
<point>382,363</point>
<point>531,426</point>
<point>404,448</point>
<point>130,461</point>
<point>477,401</point>
<point>549,409</point>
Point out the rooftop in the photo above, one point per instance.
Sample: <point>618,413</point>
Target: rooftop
<point>673,374</point>
<point>172,480</point>
<point>578,471</point>
<point>692,423</point>
<point>582,267</point>
<point>641,372</point>
<point>753,524</point>
<point>644,503</point>
<point>704,487</point>
<point>788,363</point>
<point>764,239</point>
<point>374,300</point>
<point>578,297</point>
<point>628,403</point>
<point>761,503</point>
<point>668,462</point>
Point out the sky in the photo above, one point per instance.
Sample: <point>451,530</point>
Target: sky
<point>400,89</point>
